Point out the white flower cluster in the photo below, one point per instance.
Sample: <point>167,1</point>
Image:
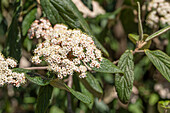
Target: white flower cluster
<point>159,13</point>
<point>6,74</point>
<point>64,50</point>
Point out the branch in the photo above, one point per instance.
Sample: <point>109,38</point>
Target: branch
<point>140,22</point>
<point>36,68</point>
<point>138,51</point>
<point>115,62</point>
<point>135,51</point>
<point>70,81</point>
<point>69,104</point>
<point>28,9</point>
<point>87,66</point>
<point>39,9</point>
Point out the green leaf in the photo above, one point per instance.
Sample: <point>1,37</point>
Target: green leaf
<point>124,83</point>
<point>136,107</point>
<point>134,38</point>
<point>106,66</point>
<point>29,18</point>
<point>140,28</point>
<point>51,12</point>
<point>29,100</point>
<point>92,85</point>
<point>27,44</point>
<point>53,109</point>
<point>13,42</point>
<point>156,34</point>
<point>35,78</point>
<point>86,92</point>
<point>153,99</point>
<point>147,45</point>
<point>101,106</point>
<point>64,11</point>
<point>161,61</point>
<point>164,106</point>
<point>60,84</point>
<point>43,99</point>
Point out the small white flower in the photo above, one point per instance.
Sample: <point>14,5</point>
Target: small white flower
<point>82,75</point>
<point>82,68</point>
<point>36,59</point>
<point>76,61</point>
<point>1,57</point>
<point>11,62</point>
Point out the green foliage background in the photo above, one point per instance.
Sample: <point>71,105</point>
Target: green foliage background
<point>111,29</point>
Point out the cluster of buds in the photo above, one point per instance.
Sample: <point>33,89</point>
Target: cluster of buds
<point>66,51</point>
<point>159,13</point>
<point>6,74</point>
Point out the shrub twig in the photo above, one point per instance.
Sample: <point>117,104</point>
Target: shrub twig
<point>69,104</point>
<point>37,68</point>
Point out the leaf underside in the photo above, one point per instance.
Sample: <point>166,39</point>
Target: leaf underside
<point>158,33</point>
<point>107,66</point>
<point>92,85</point>
<point>161,61</point>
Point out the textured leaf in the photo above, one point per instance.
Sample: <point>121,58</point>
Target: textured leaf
<point>107,66</point>
<point>35,78</point>
<point>43,99</point>
<point>163,106</point>
<point>29,18</point>
<point>92,85</point>
<point>60,84</point>
<point>51,13</point>
<point>158,33</point>
<point>161,61</point>
<point>124,83</point>
<point>64,11</point>
<point>13,43</point>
